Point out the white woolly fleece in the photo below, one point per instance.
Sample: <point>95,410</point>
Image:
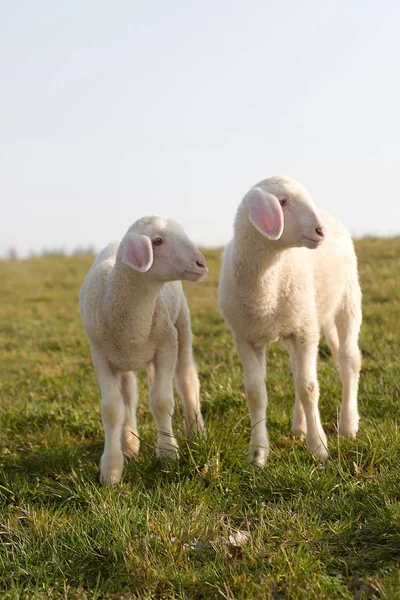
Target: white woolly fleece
<point>136,316</point>
<point>285,289</point>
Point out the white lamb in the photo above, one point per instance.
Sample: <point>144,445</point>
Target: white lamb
<point>274,288</point>
<point>136,316</point>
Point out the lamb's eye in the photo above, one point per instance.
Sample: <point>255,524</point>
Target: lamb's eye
<point>157,242</point>
<point>283,202</point>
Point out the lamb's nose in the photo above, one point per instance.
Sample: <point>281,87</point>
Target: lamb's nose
<point>201,264</point>
<point>320,232</point>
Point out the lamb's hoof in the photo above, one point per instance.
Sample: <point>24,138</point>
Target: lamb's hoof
<point>348,428</point>
<point>298,432</point>
<point>321,452</point>
<point>319,449</point>
<point>131,445</point>
<point>258,455</point>
<point>111,469</point>
<point>196,429</point>
<point>168,451</point>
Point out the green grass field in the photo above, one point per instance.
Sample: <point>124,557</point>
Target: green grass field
<point>171,530</point>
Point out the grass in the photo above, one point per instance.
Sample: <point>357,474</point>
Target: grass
<point>170,530</point>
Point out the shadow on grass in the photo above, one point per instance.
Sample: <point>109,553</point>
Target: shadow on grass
<point>57,465</point>
<point>29,471</point>
<point>367,552</point>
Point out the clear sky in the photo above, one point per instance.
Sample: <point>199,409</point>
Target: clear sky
<point>113,110</point>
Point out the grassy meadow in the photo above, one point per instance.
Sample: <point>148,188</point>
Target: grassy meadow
<point>210,526</point>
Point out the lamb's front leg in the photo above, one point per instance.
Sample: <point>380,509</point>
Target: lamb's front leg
<point>307,389</point>
<point>112,414</point>
<point>253,360</point>
<point>161,376</point>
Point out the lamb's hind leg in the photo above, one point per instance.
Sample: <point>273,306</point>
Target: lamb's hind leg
<point>188,386</point>
<point>161,373</point>
<point>332,338</point>
<point>349,357</point>
<point>187,379</point>
<point>299,422</point>
<point>112,414</point>
<point>130,435</point>
<point>307,389</point>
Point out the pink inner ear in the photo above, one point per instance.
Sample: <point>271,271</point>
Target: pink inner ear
<point>265,213</point>
<point>138,252</point>
<point>263,222</point>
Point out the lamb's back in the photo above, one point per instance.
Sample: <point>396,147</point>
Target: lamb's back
<point>92,292</point>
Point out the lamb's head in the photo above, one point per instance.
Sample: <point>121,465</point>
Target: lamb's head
<point>282,210</point>
<point>159,247</point>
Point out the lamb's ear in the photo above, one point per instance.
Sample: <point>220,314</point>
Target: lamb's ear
<point>265,213</point>
<point>137,252</point>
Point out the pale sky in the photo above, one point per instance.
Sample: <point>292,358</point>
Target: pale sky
<point>113,110</point>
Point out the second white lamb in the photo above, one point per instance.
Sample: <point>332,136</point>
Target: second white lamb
<point>288,273</point>
<point>136,316</point>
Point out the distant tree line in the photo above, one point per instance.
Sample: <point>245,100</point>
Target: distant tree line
<point>13,254</point>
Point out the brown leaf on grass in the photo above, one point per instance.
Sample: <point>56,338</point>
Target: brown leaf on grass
<point>239,538</point>
<point>199,545</point>
<point>192,545</point>
<point>233,546</point>
<point>236,541</point>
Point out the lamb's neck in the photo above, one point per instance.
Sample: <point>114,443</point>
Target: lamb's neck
<point>256,259</point>
<point>130,303</point>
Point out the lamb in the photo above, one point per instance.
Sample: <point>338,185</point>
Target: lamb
<point>136,316</point>
<point>287,273</point>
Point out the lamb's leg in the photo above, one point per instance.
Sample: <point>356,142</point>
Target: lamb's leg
<point>253,360</point>
<point>151,369</point>
<point>332,338</point>
<point>349,358</point>
<point>188,386</point>
<point>299,423</point>
<point>112,414</point>
<point>130,435</point>
<point>187,379</point>
<point>307,388</point>
<point>162,402</point>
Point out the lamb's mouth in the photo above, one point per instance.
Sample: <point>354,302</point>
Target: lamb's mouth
<point>197,274</point>
<point>314,241</point>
